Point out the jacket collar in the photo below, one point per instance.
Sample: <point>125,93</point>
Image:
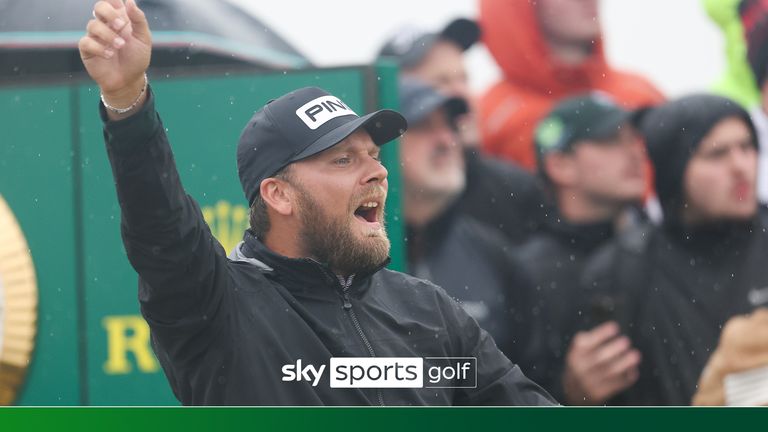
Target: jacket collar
<point>584,236</point>
<point>721,238</point>
<point>431,236</point>
<point>296,274</point>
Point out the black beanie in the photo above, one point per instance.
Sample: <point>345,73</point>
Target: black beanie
<point>673,132</point>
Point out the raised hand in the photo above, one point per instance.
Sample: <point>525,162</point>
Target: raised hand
<point>116,50</point>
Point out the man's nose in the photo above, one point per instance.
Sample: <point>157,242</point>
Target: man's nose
<point>376,171</point>
<point>634,146</point>
<point>445,137</point>
<point>459,88</point>
<point>743,160</point>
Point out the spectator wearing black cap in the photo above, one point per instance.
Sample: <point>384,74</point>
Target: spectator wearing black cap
<point>675,285</point>
<point>436,58</point>
<point>308,282</point>
<point>591,159</point>
<point>497,193</point>
<point>468,259</point>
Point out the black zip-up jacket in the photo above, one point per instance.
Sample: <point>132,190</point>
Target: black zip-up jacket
<point>224,328</point>
<point>555,258</point>
<point>674,289</point>
<point>503,196</point>
<point>475,265</point>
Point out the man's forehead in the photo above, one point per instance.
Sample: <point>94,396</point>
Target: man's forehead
<point>445,46</point>
<point>723,142</point>
<point>736,133</point>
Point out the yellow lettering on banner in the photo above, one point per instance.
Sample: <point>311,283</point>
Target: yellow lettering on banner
<point>227,222</point>
<point>128,333</point>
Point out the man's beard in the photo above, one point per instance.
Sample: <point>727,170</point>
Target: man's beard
<point>331,240</point>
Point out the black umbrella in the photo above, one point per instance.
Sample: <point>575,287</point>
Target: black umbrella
<point>39,37</point>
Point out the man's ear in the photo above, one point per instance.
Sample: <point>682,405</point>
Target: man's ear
<point>560,168</point>
<point>277,195</point>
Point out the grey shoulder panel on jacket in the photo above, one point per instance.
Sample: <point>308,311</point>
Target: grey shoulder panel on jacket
<point>237,255</point>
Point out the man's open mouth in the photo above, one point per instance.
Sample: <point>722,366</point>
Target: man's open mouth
<point>368,212</point>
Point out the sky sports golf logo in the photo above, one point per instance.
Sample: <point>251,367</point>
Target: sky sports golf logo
<point>387,372</point>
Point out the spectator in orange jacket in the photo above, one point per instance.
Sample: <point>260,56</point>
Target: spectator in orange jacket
<point>547,50</point>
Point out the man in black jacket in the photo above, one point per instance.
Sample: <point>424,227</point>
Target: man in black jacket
<point>676,285</point>
<point>470,260</point>
<point>591,159</point>
<point>307,286</point>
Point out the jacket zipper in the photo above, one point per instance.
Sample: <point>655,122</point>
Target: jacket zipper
<point>345,284</point>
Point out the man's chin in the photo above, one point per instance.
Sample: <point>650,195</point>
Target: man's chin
<point>450,185</point>
<point>744,211</point>
<point>376,239</point>
<point>369,232</point>
<point>365,228</point>
<point>370,252</point>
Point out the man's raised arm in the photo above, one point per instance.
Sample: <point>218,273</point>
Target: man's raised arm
<point>182,268</point>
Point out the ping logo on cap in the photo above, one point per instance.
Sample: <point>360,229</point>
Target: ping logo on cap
<point>317,112</point>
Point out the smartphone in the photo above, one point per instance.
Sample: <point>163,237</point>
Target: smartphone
<point>602,308</point>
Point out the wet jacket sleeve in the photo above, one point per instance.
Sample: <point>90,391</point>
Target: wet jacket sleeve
<point>182,268</point>
<point>499,381</point>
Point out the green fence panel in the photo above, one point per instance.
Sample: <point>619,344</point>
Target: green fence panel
<point>37,145</point>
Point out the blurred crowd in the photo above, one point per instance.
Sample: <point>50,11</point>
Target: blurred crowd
<point>612,241</point>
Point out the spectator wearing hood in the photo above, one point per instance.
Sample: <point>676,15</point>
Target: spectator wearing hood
<point>547,50</point>
<point>674,286</point>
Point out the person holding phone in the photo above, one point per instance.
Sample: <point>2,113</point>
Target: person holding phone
<point>590,159</point>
